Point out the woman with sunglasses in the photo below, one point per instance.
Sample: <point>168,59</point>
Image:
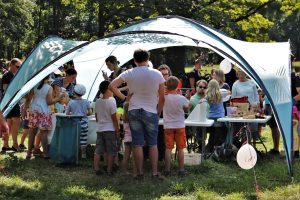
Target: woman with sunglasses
<point>13,117</point>
<point>201,87</point>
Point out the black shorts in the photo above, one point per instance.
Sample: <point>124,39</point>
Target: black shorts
<point>15,112</point>
<point>272,122</point>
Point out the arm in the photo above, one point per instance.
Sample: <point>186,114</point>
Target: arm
<point>297,97</point>
<point>113,86</point>
<point>161,98</point>
<point>28,98</point>
<point>115,122</point>
<point>187,108</point>
<point>192,84</point>
<point>50,99</point>
<point>89,111</point>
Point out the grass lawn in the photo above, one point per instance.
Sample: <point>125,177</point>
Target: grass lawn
<point>41,179</point>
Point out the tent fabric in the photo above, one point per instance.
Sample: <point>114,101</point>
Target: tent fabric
<point>268,64</point>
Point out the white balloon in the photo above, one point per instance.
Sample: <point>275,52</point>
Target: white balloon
<point>226,66</point>
<point>225,95</point>
<point>246,157</point>
<point>150,65</point>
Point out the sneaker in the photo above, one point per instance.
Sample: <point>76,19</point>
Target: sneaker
<point>115,167</point>
<point>182,173</point>
<point>37,152</point>
<point>22,147</point>
<point>139,177</point>
<point>109,173</point>
<point>15,149</point>
<point>274,152</point>
<point>105,168</point>
<point>167,173</point>
<point>158,176</point>
<point>4,149</point>
<point>98,172</point>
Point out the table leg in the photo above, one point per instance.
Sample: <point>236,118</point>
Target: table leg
<point>203,143</point>
<point>229,136</point>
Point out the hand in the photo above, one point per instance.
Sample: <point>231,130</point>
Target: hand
<point>104,74</point>
<point>128,97</point>
<point>188,94</point>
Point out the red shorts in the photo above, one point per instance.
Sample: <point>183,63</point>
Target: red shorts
<point>177,135</point>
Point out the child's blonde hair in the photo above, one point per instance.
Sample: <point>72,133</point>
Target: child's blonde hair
<point>172,83</point>
<point>213,92</point>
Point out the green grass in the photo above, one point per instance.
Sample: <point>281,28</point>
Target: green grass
<point>41,179</point>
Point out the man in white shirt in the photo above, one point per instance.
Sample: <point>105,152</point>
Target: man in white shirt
<point>146,103</point>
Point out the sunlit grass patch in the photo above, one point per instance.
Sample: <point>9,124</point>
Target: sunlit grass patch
<point>291,191</point>
<point>16,186</point>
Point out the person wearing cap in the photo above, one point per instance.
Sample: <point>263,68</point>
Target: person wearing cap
<point>80,107</point>
<point>39,114</point>
<point>13,117</point>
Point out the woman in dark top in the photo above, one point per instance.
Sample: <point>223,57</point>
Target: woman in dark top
<point>13,117</point>
<point>195,74</point>
<point>67,82</point>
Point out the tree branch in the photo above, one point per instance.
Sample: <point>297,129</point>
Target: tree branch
<point>252,11</point>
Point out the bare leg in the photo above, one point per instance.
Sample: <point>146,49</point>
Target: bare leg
<point>44,135</point>
<point>126,158</point>
<point>153,153</point>
<point>37,141</point>
<point>168,159</point>
<point>110,161</point>
<point>6,138</point>
<point>181,159</point>
<point>275,137</point>
<point>25,134</point>
<point>138,159</point>
<point>14,131</point>
<point>31,136</point>
<point>96,162</point>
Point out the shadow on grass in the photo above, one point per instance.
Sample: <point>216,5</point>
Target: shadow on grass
<point>41,179</point>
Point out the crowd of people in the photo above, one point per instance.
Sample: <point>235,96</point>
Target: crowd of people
<point>147,95</point>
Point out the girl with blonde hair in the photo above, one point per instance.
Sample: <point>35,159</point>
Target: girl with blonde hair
<point>216,110</point>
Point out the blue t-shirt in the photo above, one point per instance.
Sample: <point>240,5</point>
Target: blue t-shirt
<point>216,110</point>
<point>78,107</point>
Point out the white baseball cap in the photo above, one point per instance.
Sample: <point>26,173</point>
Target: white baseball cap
<point>79,89</point>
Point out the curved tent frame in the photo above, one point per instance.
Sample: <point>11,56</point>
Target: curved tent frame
<point>268,64</point>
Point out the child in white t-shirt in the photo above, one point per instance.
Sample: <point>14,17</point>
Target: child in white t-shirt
<point>174,126</point>
<point>108,129</point>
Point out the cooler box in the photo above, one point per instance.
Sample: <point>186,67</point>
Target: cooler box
<point>192,158</point>
<point>64,146</point>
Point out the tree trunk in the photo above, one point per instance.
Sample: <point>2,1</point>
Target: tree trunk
<point>101,18</point>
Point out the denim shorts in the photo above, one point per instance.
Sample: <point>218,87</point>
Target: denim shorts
<point>143,126</point>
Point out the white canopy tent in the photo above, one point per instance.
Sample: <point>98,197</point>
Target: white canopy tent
<point>266,63</point>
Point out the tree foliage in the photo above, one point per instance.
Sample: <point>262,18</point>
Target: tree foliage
<point>23,23</point>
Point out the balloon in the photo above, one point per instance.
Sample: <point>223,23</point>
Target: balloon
<point>150,65</point>
<point>226,66</point>
<point>225,95</point>
<point>246,157</point>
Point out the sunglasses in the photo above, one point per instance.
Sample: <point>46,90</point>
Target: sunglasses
<point>165,74</point>
<point>201,87</point>
<point>17,66</point>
